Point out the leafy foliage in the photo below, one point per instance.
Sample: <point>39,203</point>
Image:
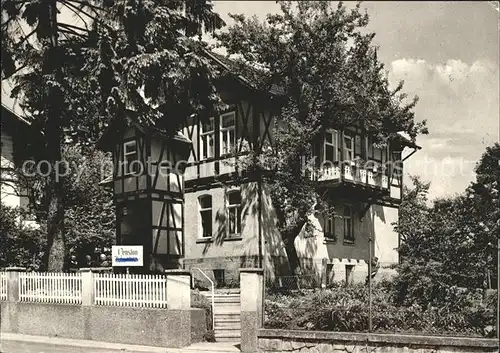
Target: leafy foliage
<point>89,213</point>
<point>20,245</point>
<point>451,243</point>
<point>345,308</point>
<point>198,300</point>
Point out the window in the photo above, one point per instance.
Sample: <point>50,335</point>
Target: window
<point>330,146</point>
<point>330,227</point>
<point>207,139</point>
<point>348,148</point>
<point>130,157</point>
<point>348,225</point>
<point>397,164</point>
<point>219,277</point>
<point>377,154</point>
<point>205,222</point>
<point>234,213</point>
<point>227,133</point>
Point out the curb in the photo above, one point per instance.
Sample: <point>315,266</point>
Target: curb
<point>13,340</point>
<point>18,343</point>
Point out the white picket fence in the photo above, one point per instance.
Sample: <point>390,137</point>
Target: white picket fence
<point>50,287</point>
<point>3,286</point>
<point>130,290</point>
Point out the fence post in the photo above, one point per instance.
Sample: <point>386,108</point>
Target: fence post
<point>178,289</point>
<point>13,283</point>
<point>87,286</point>
<point>251,316</point>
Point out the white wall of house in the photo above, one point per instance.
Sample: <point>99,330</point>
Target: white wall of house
<point>9,195</point>
<point>340,260</point>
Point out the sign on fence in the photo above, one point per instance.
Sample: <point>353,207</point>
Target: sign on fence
<point>127,255</point>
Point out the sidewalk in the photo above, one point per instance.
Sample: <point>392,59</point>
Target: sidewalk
<point>17,343</point>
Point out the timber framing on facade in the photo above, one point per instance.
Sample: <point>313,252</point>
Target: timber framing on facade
<point>184,215</point>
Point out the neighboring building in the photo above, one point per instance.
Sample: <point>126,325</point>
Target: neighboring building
<point>219,217</point>
<point>17,139</point>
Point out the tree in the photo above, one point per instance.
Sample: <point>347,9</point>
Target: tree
<point>413,224</point>
<point>139,54</point>
<point>484,195</point>
<point>326,66</point>
<point>453,243</point>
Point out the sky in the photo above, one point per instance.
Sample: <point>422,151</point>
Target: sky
<point>448,55</point>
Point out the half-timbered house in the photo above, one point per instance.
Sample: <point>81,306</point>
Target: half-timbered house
<point>218,216</point>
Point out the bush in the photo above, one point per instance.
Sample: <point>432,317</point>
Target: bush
<point>199,301</point>
<point>345,308</point>
<point>20,245</point>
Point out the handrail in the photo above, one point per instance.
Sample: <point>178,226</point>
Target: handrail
<point>213,296</point>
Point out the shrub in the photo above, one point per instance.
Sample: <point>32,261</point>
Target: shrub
<point>20,245</point>
<point>345,308</point>
<point>199,301</point>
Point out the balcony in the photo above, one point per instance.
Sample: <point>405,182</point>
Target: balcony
<point>365,174</point>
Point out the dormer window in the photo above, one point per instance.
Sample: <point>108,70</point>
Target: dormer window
<point>130,156</point>
<point>227,133</point>
<point>207,139</point>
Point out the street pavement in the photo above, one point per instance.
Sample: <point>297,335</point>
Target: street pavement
<point>16,343</point>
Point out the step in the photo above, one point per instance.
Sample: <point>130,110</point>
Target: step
<point>228,320</point>
<point>224,300</point>
<point>226,314</point>
<point>233,340</point>
<point>227,326</point>
<point>227,301</point>
<point>221,304</point>
<point>227,334</point>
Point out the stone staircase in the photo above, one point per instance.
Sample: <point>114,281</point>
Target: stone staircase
<point>227,314</point>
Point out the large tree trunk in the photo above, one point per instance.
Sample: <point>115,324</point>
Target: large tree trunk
<point>291,253</point>
<point>55,229</point>
<point>55,254</point>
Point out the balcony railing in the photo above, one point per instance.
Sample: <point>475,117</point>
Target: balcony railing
<point>350,171</point>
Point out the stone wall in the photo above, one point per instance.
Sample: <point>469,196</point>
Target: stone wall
<point>151,327</point>
<point>273,341</point>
